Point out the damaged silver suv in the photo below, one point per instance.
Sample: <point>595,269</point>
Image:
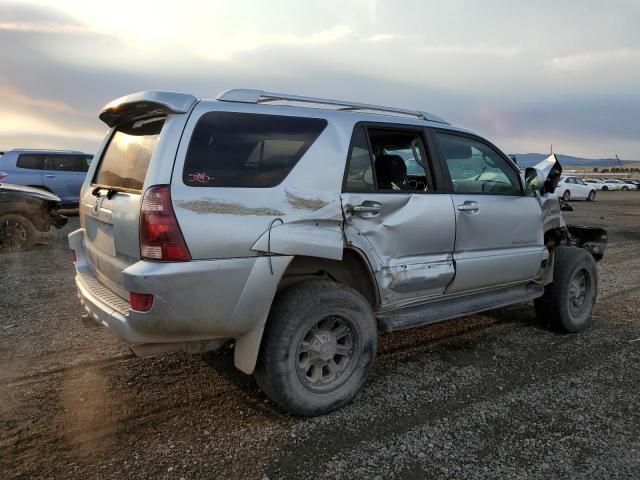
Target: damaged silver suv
<point>300,227</point>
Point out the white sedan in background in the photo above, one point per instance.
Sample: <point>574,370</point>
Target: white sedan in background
<point>622,184</point>
<point>611,184</point>
<point>595,183</point>
<point>574,188</point>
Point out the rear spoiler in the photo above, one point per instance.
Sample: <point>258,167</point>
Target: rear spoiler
<point>144,104</point>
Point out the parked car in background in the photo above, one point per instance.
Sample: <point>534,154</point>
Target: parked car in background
<point>574,188</point>
<point>58,171</point>
<point>629,184</point>
<point>610,184</point>
<point>298,231</point>
<point>620,183</point>
<point>25,211</point>
<point>595,183</point>
<point>636,183</point>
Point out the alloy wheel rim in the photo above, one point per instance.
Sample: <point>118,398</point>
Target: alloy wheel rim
<point>13,235</point>
<point>325,356</point>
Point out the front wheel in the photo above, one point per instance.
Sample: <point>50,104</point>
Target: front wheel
<point>318,345</point>
<point>568,301</point>
<point>592,196</point>
<point>566,195</point>
<point>17,233</point>
<point>625,189</point>
<point>605,188</point>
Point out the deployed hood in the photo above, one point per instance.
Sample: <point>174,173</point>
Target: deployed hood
<point>551,170</point>
<point>28,191</point>
<point>547,177</point>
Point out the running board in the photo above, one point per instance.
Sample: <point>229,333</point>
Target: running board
<point>433,312</point>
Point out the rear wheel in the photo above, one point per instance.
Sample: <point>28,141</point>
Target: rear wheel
<point>605,188</point>
<point>318,346</point>
<point>566,195</point>
<point>592,196</point>
<point>568,302</point>
<point>17,233</point>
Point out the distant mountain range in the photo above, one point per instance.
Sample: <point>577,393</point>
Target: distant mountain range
<point>530,159</point>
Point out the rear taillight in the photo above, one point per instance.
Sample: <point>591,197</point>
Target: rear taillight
<point>141,302</point>
<point>160,235</point>
<point>3,175</point>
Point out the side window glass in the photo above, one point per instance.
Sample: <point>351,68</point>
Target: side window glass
<point>31,161</point>
<point>360,177</point>
<point>400,161</point>
<point>476,168</point>
<point>229,149</point>
<point>61,163</point>
<point>85,162</point>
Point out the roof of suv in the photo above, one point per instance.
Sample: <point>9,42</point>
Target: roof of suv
<point>164,102</point>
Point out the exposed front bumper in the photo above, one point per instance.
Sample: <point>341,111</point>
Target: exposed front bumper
<point>196,300</point>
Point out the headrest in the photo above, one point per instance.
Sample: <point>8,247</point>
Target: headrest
<point>390,168</point>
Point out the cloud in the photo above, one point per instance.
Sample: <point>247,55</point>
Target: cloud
<point>42,27</point>
<point>11,97</point>
<point>593,60</point>
<point>522,76</point>
<point>471,50</point>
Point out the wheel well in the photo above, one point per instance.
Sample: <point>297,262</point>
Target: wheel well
<point>353,270</point>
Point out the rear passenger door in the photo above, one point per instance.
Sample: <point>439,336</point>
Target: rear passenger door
<point>397,213</point>
<point>499,238</point>
<point>64,174</point>
<point>28,170</point>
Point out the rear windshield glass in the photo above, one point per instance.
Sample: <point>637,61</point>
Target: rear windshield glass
<point>125,161</point>
<point>247,150</point>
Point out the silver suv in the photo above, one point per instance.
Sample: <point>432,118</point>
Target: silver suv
<point>299,227</point>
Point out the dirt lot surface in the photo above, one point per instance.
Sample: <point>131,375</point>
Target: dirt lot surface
<point>493,395</point>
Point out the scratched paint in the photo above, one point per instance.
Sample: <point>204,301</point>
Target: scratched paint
<point>305,203</point>
<point>210,206</point>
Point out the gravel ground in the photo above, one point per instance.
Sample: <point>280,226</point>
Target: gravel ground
<point>492,395</point>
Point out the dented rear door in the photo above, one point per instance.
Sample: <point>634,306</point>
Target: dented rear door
<point>408,236</point>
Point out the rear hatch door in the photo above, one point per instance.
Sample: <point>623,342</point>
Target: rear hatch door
<point>110,207</point>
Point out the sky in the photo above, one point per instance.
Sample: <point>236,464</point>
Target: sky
<point>524,74</point>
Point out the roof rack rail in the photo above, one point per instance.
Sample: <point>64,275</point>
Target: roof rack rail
<point>242,95</point>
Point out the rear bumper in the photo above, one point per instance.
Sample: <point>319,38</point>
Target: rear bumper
<point>196,300</point>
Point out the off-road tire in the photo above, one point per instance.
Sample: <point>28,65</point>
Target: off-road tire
<point>13,220</point>
<point>566,196</point>
<point>295,311</point>
<point>556,307</point>
<point>592,196</point>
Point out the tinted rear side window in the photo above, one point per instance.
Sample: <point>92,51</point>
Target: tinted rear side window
<point>67,163</point>
<point>247,150</point>
<point>32,161</point>
<point>126,159</point>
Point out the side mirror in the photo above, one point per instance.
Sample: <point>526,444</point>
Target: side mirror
<point>533,180</point>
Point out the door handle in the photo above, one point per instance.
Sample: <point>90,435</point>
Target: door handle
<point>48,175</point>
<point>367,207</point>
<point>469,207</point>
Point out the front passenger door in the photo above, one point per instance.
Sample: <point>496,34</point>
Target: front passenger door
<point>499,238</point>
